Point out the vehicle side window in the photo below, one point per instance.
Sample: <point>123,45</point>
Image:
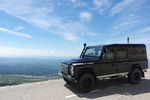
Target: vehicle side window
<point>136,52</point>
<point>108,54</point>
<point>121,53</point>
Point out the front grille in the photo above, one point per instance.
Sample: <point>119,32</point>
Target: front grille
<point>64,68</point>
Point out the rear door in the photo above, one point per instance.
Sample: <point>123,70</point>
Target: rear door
<point>122,60</point>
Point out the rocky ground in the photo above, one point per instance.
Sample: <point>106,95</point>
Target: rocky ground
<point>117,89</point>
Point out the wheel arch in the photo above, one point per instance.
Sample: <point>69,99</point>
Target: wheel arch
<point>138,66</point>
<point>84,71</point>
<point>134,66</point>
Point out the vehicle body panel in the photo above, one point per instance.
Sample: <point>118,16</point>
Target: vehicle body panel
<point>114,59</point>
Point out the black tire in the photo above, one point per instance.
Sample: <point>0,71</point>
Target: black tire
<point>67,81</point>
<point>86,82</point>
<point>135,76</point>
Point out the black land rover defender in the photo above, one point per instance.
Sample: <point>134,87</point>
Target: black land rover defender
<point>105,61</point>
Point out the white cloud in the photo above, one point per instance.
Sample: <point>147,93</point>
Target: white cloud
<point>72,31</point>
<point>102,5</point>
<point>41,14</point>
<point>141,39</point>
<point>14,33</point>
<point>28,11</point>
<point>119,7</point>
<point>72,0</point>
<point>125,22</point>
<point>18,28</point>
<point>85,16</point>
<point>10,51</point>
<point>77,3</point>
<point>133,39</point>
<point>6,51</point>
<point>70,36</point>
<point>128,16</point>
<point>143,30</point>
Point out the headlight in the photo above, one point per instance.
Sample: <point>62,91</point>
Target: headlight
<point>71,70</point>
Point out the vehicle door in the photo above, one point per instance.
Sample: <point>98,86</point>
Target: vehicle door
<point>122,60</point>
<point>107,65</point>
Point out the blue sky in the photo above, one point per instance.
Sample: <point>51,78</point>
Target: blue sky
<point>60,27</point>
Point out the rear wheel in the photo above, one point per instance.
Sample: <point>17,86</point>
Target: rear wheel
<point>135,76</point>
<point>86,82</point>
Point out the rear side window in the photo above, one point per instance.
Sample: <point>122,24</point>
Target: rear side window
<point>121,53</point>
<point>141,53</point>
<point>136,52</point>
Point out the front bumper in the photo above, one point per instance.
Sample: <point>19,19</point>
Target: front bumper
<point>68,77</point>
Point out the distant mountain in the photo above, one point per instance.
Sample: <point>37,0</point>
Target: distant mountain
<point>39,57</point>
<point>29,66</point>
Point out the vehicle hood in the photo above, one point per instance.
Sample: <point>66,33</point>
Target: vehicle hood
<point>81,60</point>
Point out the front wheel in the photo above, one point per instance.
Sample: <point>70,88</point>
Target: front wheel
<point>86,82</point>
<point>135,76</point>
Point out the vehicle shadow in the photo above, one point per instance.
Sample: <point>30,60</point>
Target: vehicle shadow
<point>114,86</point>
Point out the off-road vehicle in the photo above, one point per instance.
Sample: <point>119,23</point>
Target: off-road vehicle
<point>106,61</point>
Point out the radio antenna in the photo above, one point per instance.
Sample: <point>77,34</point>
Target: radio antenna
<point>128,40</point>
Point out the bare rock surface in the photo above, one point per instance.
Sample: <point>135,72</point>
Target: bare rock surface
<point>117,89</point>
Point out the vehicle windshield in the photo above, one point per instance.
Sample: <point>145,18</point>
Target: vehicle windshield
<point>93,51</point>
